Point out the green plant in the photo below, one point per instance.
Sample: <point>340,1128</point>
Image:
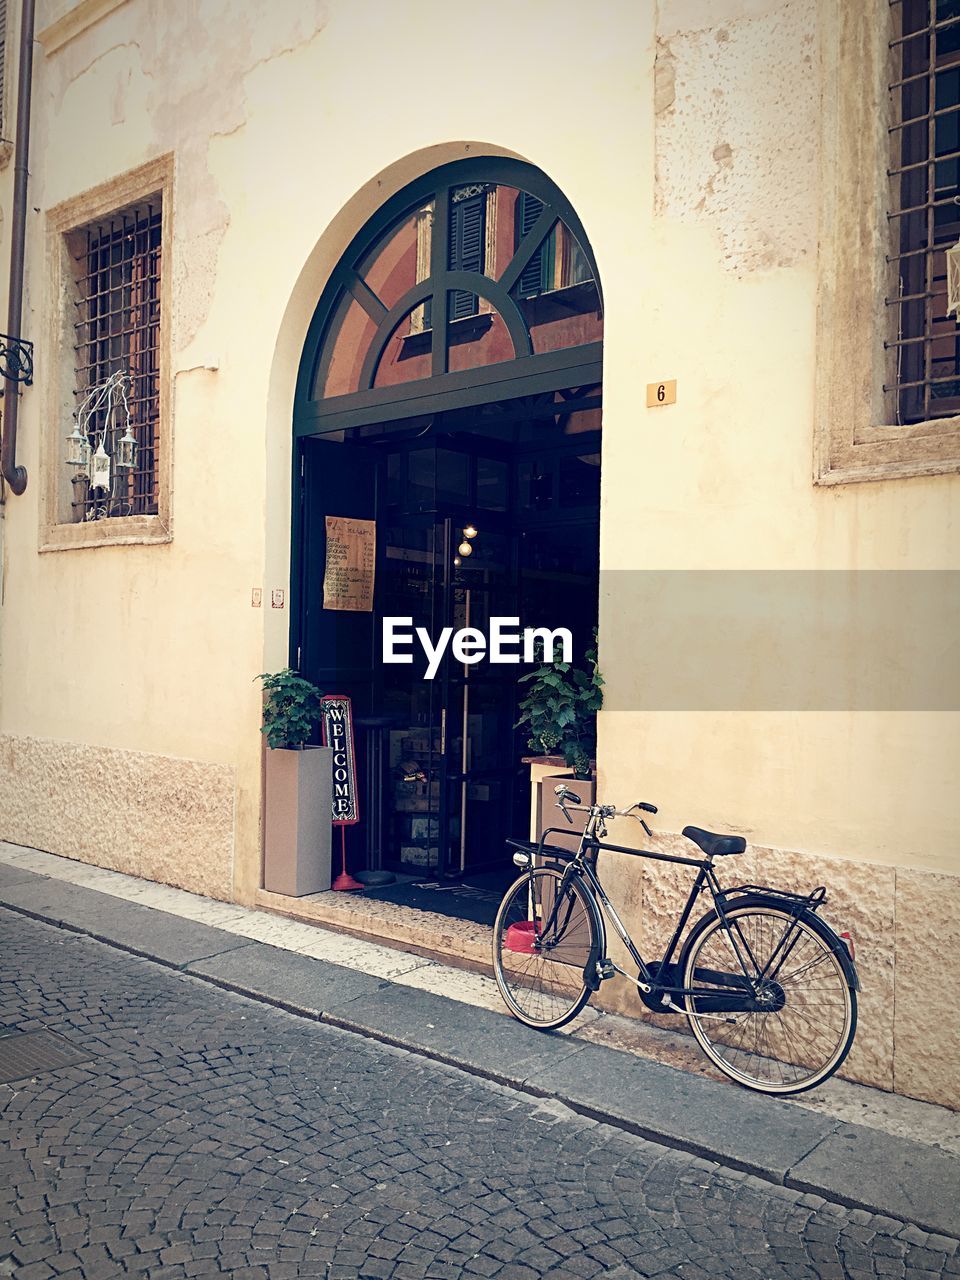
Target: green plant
<point>291,708</point>
<point>560,709</point>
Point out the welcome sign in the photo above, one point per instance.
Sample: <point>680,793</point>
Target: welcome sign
<point>337,719</point>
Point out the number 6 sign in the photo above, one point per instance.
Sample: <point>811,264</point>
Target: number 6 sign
<point>661,393</point>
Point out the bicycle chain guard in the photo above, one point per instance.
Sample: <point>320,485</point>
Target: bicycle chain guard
<point>653,998</point>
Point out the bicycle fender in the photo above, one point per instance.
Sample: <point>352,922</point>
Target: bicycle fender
<point>839,949</point>
<point>598,951</point>
<point>830,936</point>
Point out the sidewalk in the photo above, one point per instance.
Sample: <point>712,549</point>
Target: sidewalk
<point>455,1017</point>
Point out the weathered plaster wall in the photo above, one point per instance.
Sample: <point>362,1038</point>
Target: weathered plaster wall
<point>736,129</point>
<point>155,816</point>
<point>730,309</point>
<point>286,136</point>
<point>722,480</point>
<point>685,134</point>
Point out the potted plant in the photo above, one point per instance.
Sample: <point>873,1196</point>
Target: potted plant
<point>560,709</point>
<point>298,787</point>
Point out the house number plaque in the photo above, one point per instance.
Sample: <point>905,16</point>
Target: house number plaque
<point>661,393</point>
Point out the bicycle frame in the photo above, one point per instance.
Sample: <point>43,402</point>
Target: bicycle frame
<point>583,864</point>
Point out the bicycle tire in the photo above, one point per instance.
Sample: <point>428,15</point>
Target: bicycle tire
<point>806,1033</point>
<point>544,986</point>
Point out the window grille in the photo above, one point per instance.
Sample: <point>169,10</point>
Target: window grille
<point>118,263</point>
<point>924,208</point>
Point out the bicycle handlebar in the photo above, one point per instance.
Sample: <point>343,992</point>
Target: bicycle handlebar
<point>565,796</point>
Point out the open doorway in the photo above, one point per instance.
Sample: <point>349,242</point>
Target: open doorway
<point>449,395</point>
<point>479,514</point>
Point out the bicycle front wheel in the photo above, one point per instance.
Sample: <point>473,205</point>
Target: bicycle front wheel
<point>801,1023</point>
<point>539,956</point>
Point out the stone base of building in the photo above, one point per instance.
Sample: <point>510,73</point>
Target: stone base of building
<point>906,927</point>
<point>173,821</point>
<point>159,817</point>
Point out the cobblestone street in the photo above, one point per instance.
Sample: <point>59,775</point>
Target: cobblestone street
<point>208,1134</point>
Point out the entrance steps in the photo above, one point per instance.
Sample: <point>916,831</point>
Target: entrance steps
<point>457,942</point>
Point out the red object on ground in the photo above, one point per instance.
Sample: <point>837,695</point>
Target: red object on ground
<point>344,880</point>
<point>521,937</point>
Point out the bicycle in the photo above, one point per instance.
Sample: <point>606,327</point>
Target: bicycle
<point>767,986</point>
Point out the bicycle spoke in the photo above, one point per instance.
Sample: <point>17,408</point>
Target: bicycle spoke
<point>543,986</point>
<point>807,1029</point>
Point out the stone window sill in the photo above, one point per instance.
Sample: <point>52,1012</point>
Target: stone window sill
<point>117,531</point>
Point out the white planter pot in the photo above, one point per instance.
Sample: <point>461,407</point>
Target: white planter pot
<point>297,827</point>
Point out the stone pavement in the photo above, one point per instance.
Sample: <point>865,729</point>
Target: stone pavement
<point>208,1133</point>
<point>924,1122</point>
<point>851,1164</point>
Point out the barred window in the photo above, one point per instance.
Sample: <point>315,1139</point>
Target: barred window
<point>924,210</point>
<point>118,264</point>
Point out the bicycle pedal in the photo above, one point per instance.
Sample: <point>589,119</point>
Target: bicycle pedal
<point>605,969</point>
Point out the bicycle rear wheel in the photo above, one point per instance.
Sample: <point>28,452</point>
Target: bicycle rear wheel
<point>807,1015</point>
<point>538,965</point>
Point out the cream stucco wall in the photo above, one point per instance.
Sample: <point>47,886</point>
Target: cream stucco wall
<point>686,136</point>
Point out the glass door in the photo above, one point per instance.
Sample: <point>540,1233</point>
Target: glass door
<point>411,587</point>
<point>452,757</point>
<point>481,761</point>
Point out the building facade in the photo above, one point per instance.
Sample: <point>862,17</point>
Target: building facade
<point>415,266</point>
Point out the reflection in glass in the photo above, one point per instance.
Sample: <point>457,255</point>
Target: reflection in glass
<point>534,485</point>
<point>487,225</point>
<point>478,336</point>
<point>407,355</point>
<point>349,335</point>
<point>422,478</point>
<point>400,258</point>
<point>555,291</point>
<point>453,476</point>
<point>493,484</point>
<point>579,480</point>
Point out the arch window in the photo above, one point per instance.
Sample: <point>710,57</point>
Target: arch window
<point>478,275</point>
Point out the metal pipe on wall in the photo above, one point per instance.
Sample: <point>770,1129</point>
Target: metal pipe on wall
<point>16,477</point>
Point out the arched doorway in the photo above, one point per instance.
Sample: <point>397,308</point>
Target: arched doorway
<point>449,398</point>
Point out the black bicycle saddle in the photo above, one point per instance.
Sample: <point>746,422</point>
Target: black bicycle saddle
<point>713,845</point>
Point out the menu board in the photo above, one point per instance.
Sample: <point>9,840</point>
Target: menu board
<point>351,559</point>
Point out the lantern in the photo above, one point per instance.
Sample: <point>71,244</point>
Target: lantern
<point>78,448</point>
<point>100,470</point>
<point>125,450</point>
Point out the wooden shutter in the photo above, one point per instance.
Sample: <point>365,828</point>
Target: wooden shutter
<point>466,249</point>
<point>533,277</point>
